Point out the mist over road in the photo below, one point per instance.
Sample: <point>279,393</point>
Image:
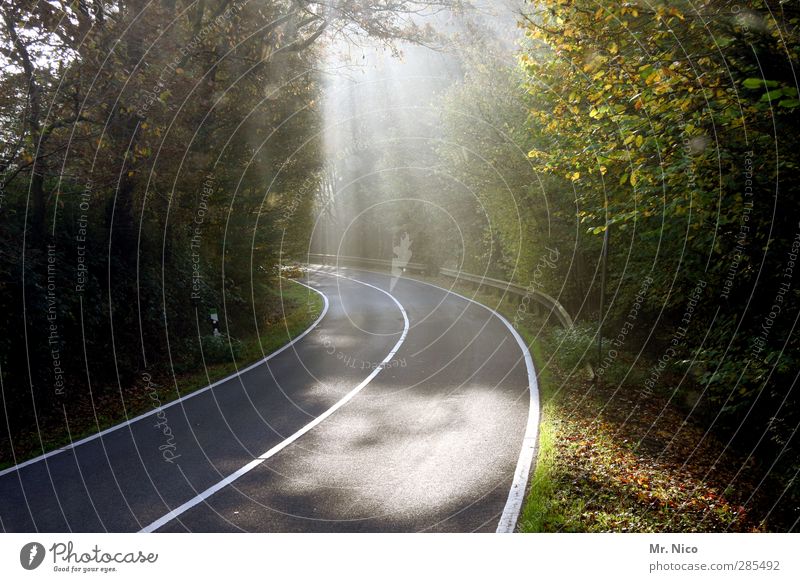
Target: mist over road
<point>402,411</point>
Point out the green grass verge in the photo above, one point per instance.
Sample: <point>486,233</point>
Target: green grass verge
<point>539,513</point>
<point>307,305</point>
<point>610,461</point>
<point>302,306</point>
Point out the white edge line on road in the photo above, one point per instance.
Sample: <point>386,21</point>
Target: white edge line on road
<point>516,495</point>
<point>178,400</point>
<point>200,497</point>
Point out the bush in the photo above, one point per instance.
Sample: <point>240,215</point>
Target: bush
<point>220,349</point>
<point>573,348</point>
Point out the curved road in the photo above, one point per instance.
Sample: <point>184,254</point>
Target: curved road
<point>402,410</point>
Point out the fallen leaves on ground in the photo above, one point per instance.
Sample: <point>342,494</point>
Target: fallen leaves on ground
<point>637,467</point>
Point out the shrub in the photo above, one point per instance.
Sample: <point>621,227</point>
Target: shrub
<point>220,349</point>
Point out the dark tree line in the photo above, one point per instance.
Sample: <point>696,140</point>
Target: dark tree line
<point>158,160</point>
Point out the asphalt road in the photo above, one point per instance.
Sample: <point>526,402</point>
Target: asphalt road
<point>403,411</point>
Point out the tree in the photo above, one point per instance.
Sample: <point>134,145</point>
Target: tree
<point>672,121</point>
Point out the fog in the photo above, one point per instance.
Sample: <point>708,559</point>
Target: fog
<point>383,110</point>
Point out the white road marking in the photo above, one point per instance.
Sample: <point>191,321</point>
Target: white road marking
<point>516,495</point>
<point>179,400</point>
<point>199,498</point>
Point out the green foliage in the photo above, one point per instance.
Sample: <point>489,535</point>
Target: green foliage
<point>667,123</point>
<point>573,347</point>
<point>220,349</point>
<point>157,160</point>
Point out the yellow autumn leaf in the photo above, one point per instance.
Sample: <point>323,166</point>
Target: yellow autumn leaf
<point>677,13</point>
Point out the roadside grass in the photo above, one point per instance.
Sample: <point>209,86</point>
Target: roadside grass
<point>539,512</point>
<point>610,460</point>
<point>621,462</point>
<point>301,307</point>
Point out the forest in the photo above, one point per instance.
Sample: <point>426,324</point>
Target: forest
<point>166,162</point>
